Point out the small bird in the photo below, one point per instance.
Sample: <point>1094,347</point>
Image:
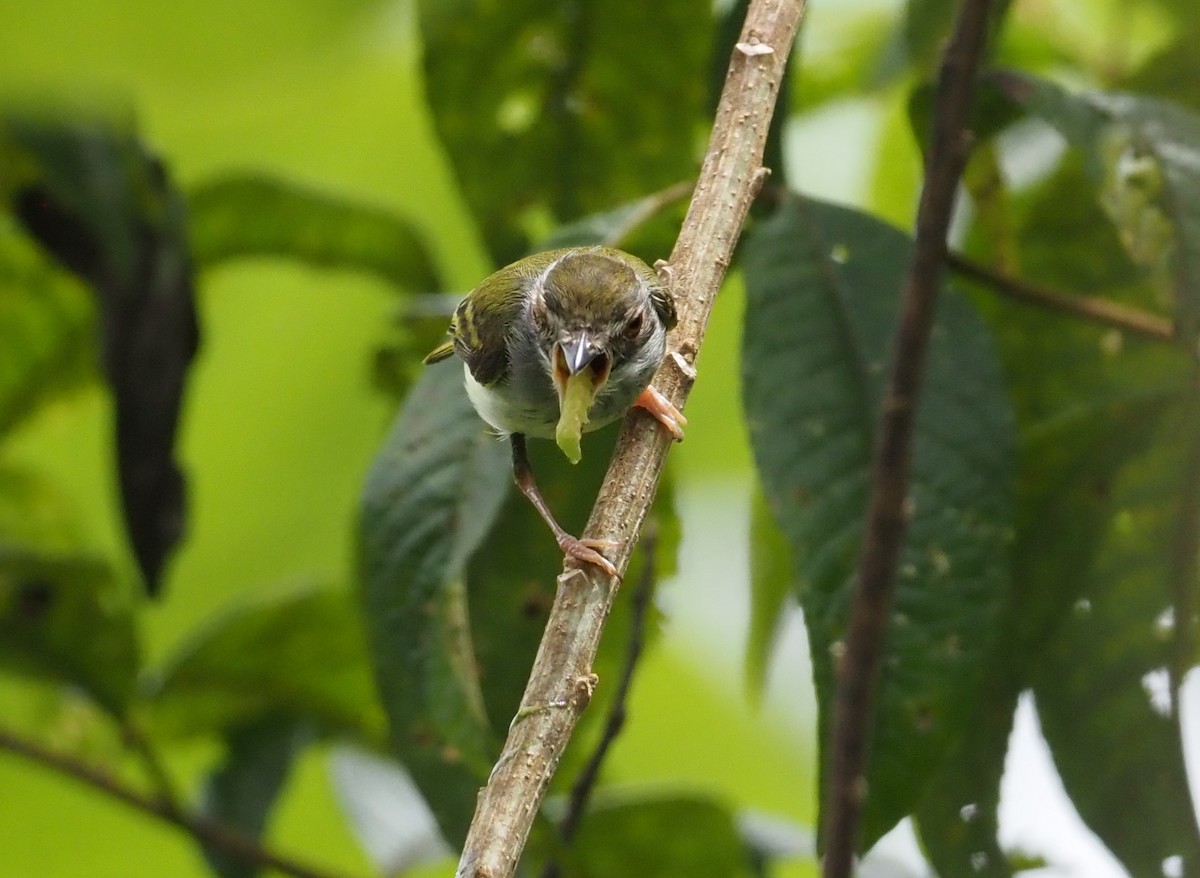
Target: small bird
<point>559,343</point>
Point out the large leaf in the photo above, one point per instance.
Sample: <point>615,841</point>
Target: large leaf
<point>1089,404</point>
<point>541,105</point>
<point>257,215</point>
<point>431,496</point>
<point>1144,156</point>
<point>300,655</point>
<point>63,616</point>
<point>1106,686</point>
<point>104,207</point>
<point>243,789</point>
<point>47,328</point>
<point>823,285</point>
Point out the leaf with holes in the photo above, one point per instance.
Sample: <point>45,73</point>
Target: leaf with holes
<point>1107,684</point>
<point>823,287</point>
<point>1144,156</point>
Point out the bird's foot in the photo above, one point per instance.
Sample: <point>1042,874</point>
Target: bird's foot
<point>664,410</point>
<point>585,551</point>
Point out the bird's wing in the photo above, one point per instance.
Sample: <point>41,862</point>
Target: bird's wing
<point>483,322</point>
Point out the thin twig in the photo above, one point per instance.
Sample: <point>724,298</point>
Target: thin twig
<point>561,680</point>
<point>585,783</point>
<point>1091,308</point>
<point>214,834</point>
<point>647,208</point>
<point>156,772</point>
<point>887,515</point>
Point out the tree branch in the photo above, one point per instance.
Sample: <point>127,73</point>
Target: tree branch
<point>585,783</point>
<point>1091,308</point>
<point>887,515</point>
<point>215,835</point>
<point>561,681</point>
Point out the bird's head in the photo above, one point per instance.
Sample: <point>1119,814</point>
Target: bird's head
<point>599,312</point>
<point>601,318</point>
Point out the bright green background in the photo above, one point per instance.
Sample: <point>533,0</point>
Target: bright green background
<point>281,423</point>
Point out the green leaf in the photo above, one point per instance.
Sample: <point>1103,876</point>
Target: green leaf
<point>1089,406</point>
<point>823,284</point>
<point>243,789</point>
<point>1144,156</point>
<point>104,207</point>
<point>1106,685</point>
<point>431,496</point>
<point>299,655</point>
<point>560,97</point>
<point>64,616</point>
<point>47,329</point>
<point>770,584</point>
<point>665,836</point>
<point>256,215</point>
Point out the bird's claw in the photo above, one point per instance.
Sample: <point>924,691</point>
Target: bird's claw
<point>664,411</point>
<point>585,551</point>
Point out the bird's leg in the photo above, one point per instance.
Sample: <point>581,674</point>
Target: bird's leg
<point>580,550</point>
<point>663,409</point>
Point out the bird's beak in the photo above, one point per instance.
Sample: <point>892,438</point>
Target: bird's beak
<point>581,368</point>
<point>579,351</point>
<point>580,356</point>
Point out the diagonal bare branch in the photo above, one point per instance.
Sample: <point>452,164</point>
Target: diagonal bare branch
<point>561,681</point>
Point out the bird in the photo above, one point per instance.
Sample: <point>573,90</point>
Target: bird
<point>560,343</point>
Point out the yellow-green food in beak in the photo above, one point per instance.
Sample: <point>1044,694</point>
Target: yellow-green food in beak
<point>577,396</point>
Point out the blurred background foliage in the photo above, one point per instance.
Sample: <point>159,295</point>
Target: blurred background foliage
<point>349,168</point>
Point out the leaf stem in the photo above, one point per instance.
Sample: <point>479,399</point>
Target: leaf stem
<point>1091,308</point>
<point>561,680</point>
<point>887,514</point>
<point>215,835</point>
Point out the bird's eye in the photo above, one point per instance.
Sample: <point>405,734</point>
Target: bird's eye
<point>634,327</point>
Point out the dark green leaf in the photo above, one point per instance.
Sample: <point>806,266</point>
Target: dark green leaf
<point>1090,406</point>
<point>248,215</point>
<point>431,496</point>
<point>541,106</point>
<point>958,818</point>
<point>299,655</point>
<point>661,837</point>
<point>1106,687</point>
<point>823,285</point>
<point>47,329</point>
<point>64,616</point>
<point>770,584</point>
<point>1144,156</point>
<point>91,194</point>
<point>242,791</point>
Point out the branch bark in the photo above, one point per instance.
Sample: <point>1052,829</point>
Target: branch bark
<point>887,516</point>
<point>561,681</point>
<point>210,832</point>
